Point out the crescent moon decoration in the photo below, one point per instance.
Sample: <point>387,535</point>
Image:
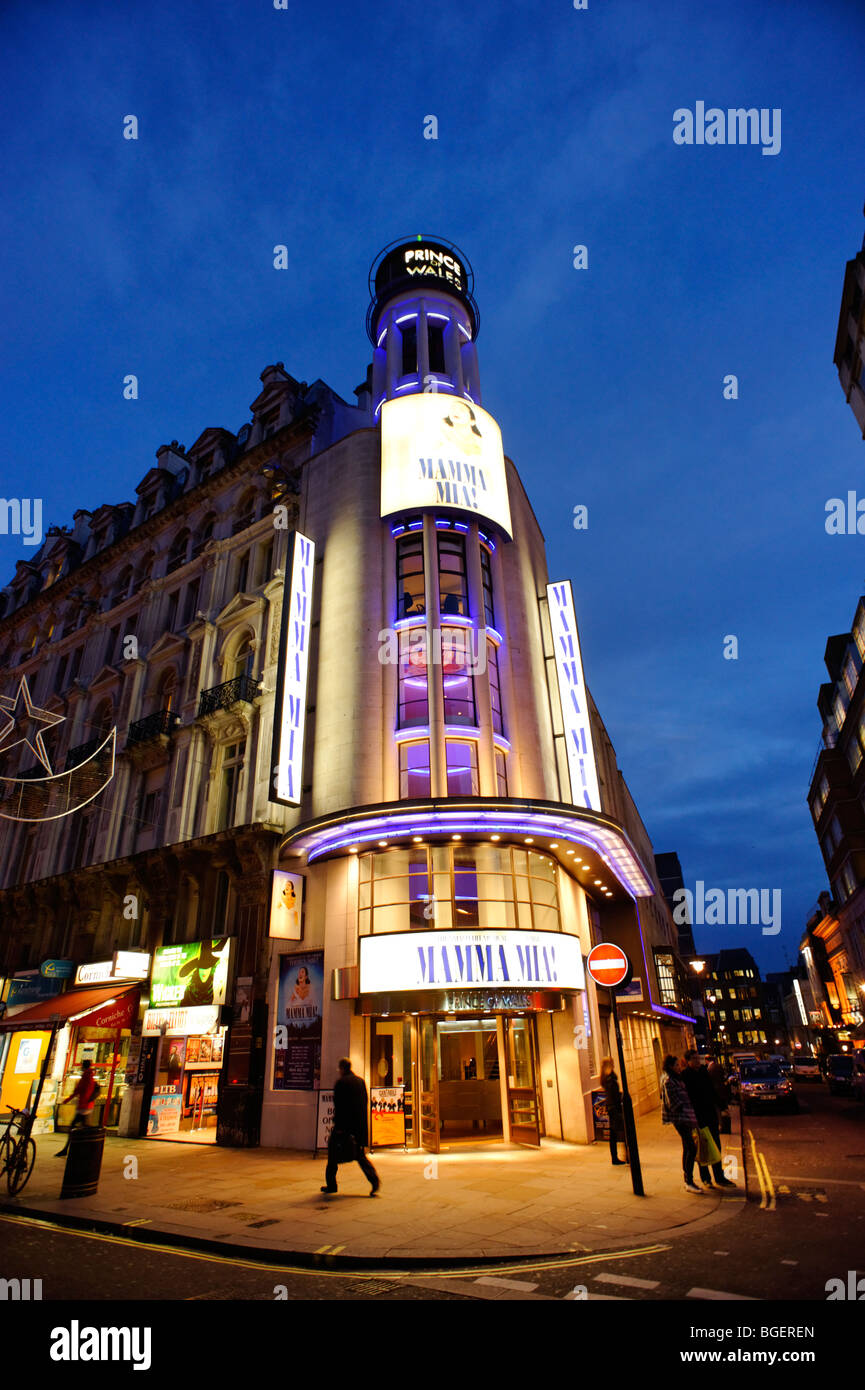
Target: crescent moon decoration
<point>32,798</point>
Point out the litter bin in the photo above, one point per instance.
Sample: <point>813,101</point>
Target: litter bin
<point>83,1162</point>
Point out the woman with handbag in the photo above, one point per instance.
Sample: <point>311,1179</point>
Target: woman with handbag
<point>349,1135</point>
<point>615,1112</point>
<point>676,1110</point>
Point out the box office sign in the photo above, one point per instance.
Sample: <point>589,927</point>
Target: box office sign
<point>457,960</point>
<point>440,451</point>
<point>191,975</point>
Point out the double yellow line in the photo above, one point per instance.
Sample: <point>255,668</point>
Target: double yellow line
<point>761,1167</point>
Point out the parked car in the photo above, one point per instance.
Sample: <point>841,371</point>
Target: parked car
<point>857,1081</point>
<point>764,1084</point>
<point>839,1073</point>
<point>806,1069</point>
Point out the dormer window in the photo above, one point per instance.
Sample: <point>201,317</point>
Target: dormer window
<point>269,423</point>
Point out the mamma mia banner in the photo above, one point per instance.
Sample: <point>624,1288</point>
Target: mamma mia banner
<point>437,960</point>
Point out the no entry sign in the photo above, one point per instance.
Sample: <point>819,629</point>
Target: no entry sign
<point>608,965</point>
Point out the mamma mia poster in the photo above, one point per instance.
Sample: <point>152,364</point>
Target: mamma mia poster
<point>299,1003</point>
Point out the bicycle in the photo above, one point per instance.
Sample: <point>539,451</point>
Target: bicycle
<point>17,1151</point>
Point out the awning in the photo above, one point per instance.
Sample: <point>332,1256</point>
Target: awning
<point>64,1007</point>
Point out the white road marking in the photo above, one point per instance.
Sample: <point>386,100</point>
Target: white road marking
<point>629,1280</point>
<point>506,1283</point>
<point>719,1294</point>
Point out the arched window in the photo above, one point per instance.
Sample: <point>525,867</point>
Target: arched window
<point>247,509</point>
<point>120,589</point>
<point>204,533</point>
<point>103,718</point>
<point>167,691</point>
<point>178,552</point>
<point>241,663</point>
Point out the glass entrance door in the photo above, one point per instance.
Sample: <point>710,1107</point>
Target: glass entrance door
<point>429,1086</point>
<point>522,1088</point>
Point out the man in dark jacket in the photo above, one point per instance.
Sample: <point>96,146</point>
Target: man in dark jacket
<point>701,1093</point>
<point>349,1119</point>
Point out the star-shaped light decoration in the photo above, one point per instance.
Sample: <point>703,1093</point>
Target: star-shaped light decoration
<point>22,717</point>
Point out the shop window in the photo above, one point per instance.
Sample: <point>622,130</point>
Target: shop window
<point>462,767</point>
<point>495,688</point>
<point>453,582</point>
<point>458,684</point>
<point>487,580</point>
<point>501,773</point>
<point>413,683</point>
<point>410,576</point>
<point>414,770</point>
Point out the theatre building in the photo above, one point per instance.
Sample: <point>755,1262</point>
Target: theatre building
<point>349,793</point>
<point>463,835</point>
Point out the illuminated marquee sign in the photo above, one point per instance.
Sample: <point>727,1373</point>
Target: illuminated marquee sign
<point>201,1019</point>
<point>457,960</point>
<point>432,263</point>
<point>440,451</point>
<point>574,699</point>
<point>290,720</point>
<point>125,965</point>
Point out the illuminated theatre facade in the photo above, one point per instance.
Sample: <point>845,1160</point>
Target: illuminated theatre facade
<point>460,834</point>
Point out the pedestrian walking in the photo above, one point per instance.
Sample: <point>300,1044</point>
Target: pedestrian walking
<point>349,1136</point>
<point>84,1095</point>
<point>676,1110</point>
<point>703,1098</point>
<point>615,1111</point>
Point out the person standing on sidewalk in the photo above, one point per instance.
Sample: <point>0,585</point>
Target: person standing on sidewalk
<point>702,1096</point>
<point>84,1095</point>
<point>676,1110</point>
<point>615,1112</point>
<point>349,1136</point>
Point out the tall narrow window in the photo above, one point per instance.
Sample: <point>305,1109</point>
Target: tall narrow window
<point>487,578</point>
<point>420,889</point>
<point>409,347</point>
<point>436,346</point>
<point>242,572</point>
<point>453,584</point>
<point>462,766</point>
<point>232,767</point>
<point>190,601</point>
<point>171,611</point>
<point>414,775</point>
<point>409,575</point>
<point>495,690</point>
<point>413,681</point>
<point>501,773</point>
<point>465,888</point>
<point>458,683</point>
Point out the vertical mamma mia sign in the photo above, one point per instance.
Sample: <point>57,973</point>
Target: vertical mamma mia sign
<point>290,716</point>
<point>574,698</point>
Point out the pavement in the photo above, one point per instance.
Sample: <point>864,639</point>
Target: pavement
<point>467,1204</point>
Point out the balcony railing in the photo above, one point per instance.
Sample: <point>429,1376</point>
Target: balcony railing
<point>154,725</point>
<point>82,751</point>
<point>228,694</point>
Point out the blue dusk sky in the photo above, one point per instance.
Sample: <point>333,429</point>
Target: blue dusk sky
<point>305,126</point>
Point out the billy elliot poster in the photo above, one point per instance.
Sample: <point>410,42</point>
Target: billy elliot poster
<point>299,1002</point>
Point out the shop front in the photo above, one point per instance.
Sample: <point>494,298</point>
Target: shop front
<point>471,1045</point>
<point>183,1031</point>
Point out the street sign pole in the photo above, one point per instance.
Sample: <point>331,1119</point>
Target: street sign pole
<point>627,1108</point>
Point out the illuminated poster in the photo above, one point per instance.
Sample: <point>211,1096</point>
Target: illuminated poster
<point>387,1114</point>
<point>441,451</point>
<point>574,698</point>
<point>291,680</point>
<point>286,905</point>
<point>190,975</point>
<point>299,1004</point>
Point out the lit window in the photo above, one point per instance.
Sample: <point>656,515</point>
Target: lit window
<point>501,773</point>
<point>458,684</point>
<point>495,692</point>
<point>462,767</point>
<point>453,583</point>
<point>409,576</point>
<point>413,681</point>
<point>487,579</point>
<point>414,774</point>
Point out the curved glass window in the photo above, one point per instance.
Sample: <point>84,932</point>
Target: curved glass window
<point>450,886</point>
<point>409,576</point>
<point>453,580</point>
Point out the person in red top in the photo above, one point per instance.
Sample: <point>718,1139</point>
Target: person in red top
<point>85,1097</point>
